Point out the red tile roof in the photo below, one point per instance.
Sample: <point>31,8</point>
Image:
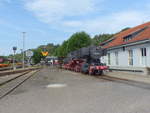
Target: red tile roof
<point>118,38</point>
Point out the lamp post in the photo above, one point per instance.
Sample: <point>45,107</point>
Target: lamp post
<point>14,50</point>
<point>23,54</point>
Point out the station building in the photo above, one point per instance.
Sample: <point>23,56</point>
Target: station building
<point>129,50</point>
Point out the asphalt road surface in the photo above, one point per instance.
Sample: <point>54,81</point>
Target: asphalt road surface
<point>57,91</point>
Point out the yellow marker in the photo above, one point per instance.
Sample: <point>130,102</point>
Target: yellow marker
<point>44,53</point>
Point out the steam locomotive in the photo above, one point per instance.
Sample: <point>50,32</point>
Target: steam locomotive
<point>86,60</point>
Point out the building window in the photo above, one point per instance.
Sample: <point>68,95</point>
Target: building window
<point>116,56</point>
<point>144,56</point>
<point>134,34</point>
<point>130,57</point>
<point>123,48</point>
<point>143,52</point>
<point>109,62</point>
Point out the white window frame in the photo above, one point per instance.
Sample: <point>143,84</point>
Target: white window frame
<point>143,56</point>
<point>130,57</point>
<point>109,59</point>
<point>143,52</point>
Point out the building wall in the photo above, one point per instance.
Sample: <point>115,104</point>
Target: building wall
<point>123,56</point>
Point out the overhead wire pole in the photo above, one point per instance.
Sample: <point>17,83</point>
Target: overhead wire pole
<point>23,50</point>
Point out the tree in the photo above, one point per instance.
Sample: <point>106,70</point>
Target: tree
<point>125,29</point>
<point>37,55</point>
<point>50,47</point>
<point>75,42</point>
<point>78,40</point>
<point>101,38</point>
<point>62,50</point>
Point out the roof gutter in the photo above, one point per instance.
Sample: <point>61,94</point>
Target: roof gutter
<point>129,44</point>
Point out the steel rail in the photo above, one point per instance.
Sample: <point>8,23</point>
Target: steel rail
<point>17,84</point>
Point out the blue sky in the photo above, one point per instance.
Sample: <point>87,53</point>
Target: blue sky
<point>52,21</point>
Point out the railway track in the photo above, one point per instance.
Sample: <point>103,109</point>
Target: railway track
<point>9,86</point>
<point>5,68</point>
<point>10,72</point>
<point>8,68</point>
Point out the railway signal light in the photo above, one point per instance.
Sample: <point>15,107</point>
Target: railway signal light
<point>14,49</point>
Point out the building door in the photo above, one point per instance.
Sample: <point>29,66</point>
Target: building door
<point>130,59</point>
<point>144,56</point>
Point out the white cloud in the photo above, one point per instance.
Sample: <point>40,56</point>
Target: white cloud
<point>70,15</point>
<point>72,23</point>
<point>110,23</point>
<point>57,10</point>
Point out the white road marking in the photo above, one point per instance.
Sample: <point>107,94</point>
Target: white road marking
<point>56,85</point>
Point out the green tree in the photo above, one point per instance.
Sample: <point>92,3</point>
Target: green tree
<point>101,38</point>
<point>50,48</point>
<point>78,40</point>
<point>62,50</point>
<point>75,42</point>
<point>37,55</point>
<point>125,29</point>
